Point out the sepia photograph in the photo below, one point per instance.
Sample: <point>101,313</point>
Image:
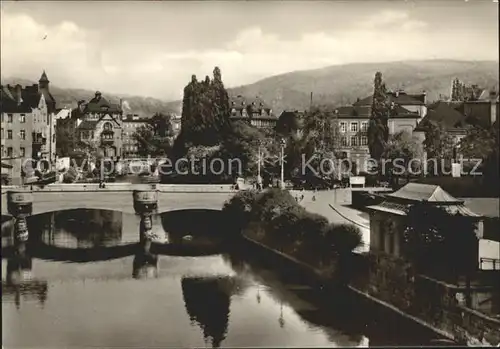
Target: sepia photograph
<point>230,174</point>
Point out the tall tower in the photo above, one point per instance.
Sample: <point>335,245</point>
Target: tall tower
<point>43,83</point>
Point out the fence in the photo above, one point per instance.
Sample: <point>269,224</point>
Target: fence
<point>489,263</point>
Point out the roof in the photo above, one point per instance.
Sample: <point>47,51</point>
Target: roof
<point>239,102</point>
<point>99,104</point>
<point>400,201</point>
<point>19,99</point>
<point>445,114</point>
<point>398,97</point>
<point>87,125</point>
<point>364,112</point>
<point>418,192</point>
<point>488,207</point>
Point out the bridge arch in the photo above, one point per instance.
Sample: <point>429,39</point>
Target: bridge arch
<point>49,201</point>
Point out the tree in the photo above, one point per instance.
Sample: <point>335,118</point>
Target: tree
<point>65,141</point>
<point>438,144</point>
<point>482,144</point>
<point>162,125</point>
<point>318,142</point>
<point>144,136</point>
<point>400,149</point>
<point>378,131</point>
<point>205,112</point>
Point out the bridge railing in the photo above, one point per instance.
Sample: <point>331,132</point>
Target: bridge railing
<point>113,187</point>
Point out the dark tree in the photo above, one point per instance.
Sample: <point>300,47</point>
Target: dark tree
<point>378,131</point>
<point>205,112</point>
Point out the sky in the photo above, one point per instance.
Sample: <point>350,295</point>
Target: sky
<point>151,48</point>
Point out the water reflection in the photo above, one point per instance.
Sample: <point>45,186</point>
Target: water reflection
<point>234,299</point>
<point>19,282</point>
<point>207,302</point>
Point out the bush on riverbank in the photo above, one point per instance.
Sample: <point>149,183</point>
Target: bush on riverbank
<point>275,218</point>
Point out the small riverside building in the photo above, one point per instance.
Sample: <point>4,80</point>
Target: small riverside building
<point>388,219</point>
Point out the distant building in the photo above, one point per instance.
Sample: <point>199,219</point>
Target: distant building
<point>97,125</point>
<point>406,112</point>
<point>28,124</point>
<point>176,124</point>
<point>256,113</point>
<point>131,123</point>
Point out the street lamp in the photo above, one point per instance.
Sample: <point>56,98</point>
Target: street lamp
<point>259,159</point>
<point>282,144</point>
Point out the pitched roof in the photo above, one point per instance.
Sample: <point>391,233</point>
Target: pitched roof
<point>445,114</point>
<point>424,192</point>
<point>239,102</point>
<point>400,201</point>
<point>99,104</point>
<point>398,97</point>
<point>364,112</point>
<point>87,125</point>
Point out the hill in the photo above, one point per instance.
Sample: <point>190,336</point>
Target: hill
<point>146,106</point>
<point>334,85</point>
<point>343,84</point>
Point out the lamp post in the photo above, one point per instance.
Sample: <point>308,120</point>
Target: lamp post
<point>282,181</point>
<point>259,178</point>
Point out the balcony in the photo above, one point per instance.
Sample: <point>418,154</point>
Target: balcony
<point>107,137</point>
<point>39,139</point>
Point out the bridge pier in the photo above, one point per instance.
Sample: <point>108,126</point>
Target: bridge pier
<point>145,204</point>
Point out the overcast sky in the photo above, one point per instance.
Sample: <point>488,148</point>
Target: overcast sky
<point>153,48</point>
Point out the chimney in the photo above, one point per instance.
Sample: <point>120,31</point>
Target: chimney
<point>493,107</point>
<point>19,91</point>
<point>397,93</point>
<point>424,93</point>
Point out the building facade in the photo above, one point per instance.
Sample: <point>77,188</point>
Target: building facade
<point>28,124</point>
<point>96,125</point>
<point>256,113</point>
<point>407,111</point>
<point>131,123</point>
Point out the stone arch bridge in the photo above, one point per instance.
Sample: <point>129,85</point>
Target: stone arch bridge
<point>170,198</point>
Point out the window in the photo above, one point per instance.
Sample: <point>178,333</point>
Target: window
<point>108,126</point>
<point>9,134</point>
<point>364,140</point>
<point>9,152</point>
<point>9,118</point>
<point>22,118</point>
<point>344,142</point>
<point>22,134</point>
<point>343,126</point>
<point>364,126</point>
<point>354,141</point>
<point>22,152</point>
<point>354,126</point>
<point>53,138</point>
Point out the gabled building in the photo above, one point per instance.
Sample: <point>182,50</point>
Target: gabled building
<point>96,124</point>
<point>256,113</point>
<point>28,123</point>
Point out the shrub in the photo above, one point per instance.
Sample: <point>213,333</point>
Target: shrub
<point>272,203</point>
<point>237,210</point>
<point>343,238</point>
<point>70,176</point>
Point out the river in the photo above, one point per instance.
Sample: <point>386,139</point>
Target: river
<point>85,291</point>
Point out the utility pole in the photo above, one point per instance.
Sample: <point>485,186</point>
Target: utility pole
<point>311,102</point>
<point>282,182</point>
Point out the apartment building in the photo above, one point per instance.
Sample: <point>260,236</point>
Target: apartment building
<point>28,124</point>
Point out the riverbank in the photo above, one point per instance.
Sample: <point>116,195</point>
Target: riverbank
<point>326,284</point>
